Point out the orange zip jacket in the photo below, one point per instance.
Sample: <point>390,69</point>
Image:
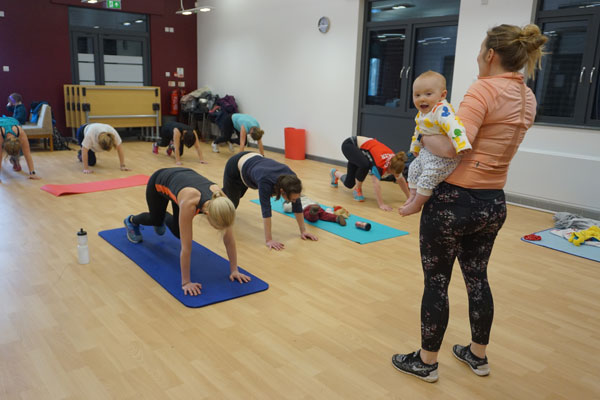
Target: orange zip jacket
<point>496,111</point>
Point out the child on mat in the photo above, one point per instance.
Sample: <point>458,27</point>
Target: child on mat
<point>98,137</point>
<point>174,136</point>
<point>435,117</point>
<point>190,194</point>
<point>16,107</point>
<point>13,140</point>
<point>313,211</point>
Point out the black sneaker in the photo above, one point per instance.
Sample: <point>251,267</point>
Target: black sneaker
<point>79,155</point>
<point>478,365</point>
<point>413,365</point>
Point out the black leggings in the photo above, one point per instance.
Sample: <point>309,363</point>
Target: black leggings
<point>358,164</point>
<point>227,131</point>
<point>157,206</point>
<point>233,186</point>
<point>166,140</point>
<point>91,154</point>
<point>463,223</point>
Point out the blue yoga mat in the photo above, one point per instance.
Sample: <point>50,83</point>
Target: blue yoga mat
<point>159,257</point>
<point>378,231</point>
<point>554,242</point>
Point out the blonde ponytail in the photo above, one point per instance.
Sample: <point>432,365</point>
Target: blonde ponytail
<point>221,211</point>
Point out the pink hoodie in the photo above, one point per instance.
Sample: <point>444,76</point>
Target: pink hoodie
<point>496,111</point>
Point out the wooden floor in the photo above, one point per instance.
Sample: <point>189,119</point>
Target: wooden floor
<point>326,328</point>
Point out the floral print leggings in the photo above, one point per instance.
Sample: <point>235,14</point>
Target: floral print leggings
<point>458,223</point>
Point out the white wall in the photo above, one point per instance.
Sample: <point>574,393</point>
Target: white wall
<point>269,54</point>
<point>281,69</point>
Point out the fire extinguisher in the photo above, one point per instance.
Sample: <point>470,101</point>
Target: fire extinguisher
<point>174,102</point>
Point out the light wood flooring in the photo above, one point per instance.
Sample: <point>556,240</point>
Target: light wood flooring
<point>326,328</point>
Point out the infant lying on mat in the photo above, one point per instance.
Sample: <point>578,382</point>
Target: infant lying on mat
<point>313,211</point>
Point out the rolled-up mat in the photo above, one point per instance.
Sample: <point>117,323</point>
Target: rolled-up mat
<point>88,187</point>
<point>159,257</point>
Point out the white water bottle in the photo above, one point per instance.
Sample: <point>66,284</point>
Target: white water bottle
<point>82,247</point>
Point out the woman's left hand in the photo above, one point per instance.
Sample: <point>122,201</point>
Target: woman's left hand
<point>34,177</point>
<point>307,235</point>
<point>238,276</point>
<point>124,168</point>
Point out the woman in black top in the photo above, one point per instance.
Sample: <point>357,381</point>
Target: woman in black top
<point>190,194</point>
<point>271,178</point>
<point>174,136</point>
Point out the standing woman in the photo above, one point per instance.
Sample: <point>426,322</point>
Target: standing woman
<point>13,140</point>
<point>366,155</point>
<point>190,194</point>
<point>243,125</point>
<point>94,138</point>
<point>466,211</point>
<point>271,178</point>
<point>174,136</point>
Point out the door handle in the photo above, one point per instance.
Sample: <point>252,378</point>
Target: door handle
<point>402,71</point>
<point>592,74</point>
<point>407,71</point>
<point>581,74</point>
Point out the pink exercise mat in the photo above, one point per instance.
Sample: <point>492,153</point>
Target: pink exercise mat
<point>88,187</point>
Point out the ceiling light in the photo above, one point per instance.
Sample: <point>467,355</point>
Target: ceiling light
<point>126,23</point>
<point>194,10</point>
<point>139,21</point>
<point>402,6</point>
<point>89,1</point>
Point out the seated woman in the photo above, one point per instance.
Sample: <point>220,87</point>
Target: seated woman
<point>251,170</point>
<point>13,140</point>
<point>366,155</point>
<point>94,138</point>
<point>174,136</point>
<point>190,194</point>
<point>17,108</point>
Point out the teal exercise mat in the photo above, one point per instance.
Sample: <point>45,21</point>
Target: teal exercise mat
<point>158,256</point>
<point>378,231</point>
<point>558,243</point>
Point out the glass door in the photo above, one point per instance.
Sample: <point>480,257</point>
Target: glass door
<point>385,69</point>
<point>85,59</point>
<point>123,61</point>
<point>434,50</point>
<point>562,84</point>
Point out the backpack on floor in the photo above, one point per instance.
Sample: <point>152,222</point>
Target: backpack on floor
<point>59,141</point>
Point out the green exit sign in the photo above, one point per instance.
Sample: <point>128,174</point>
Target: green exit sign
<point>114,4</point>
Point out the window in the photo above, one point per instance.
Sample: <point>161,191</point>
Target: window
<point>567,89</point>
<point>109,47</point>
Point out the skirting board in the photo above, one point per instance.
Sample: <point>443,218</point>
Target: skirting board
<point>551,206</point>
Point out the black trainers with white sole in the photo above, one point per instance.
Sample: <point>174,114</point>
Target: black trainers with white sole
<point>413,365</point>
<point>478,365</point>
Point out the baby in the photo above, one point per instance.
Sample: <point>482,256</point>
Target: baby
<point>313,212</point>
<point>435,117</point>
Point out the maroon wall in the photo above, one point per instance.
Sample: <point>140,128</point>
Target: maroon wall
<point>36,46</point>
